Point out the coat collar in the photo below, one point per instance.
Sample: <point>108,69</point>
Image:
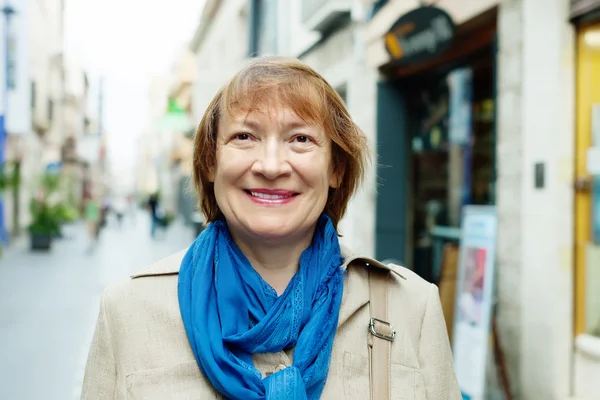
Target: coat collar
<point>356,285</point>
<point>170,265</point>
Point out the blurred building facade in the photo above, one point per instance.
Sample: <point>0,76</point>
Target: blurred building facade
<point>20,147</point>
<point>146,174</point>
<point>182,131</point>
<point>75,129</point>
<point>165,151</point>
<point>154,149</point>
<point>531,73</point>
<point>221,46</point>
<point>51,112</point>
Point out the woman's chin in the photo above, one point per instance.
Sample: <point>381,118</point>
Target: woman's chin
<point>271,231</point>
<point>276,229</point>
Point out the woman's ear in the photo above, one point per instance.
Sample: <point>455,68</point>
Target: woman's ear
<point>335,178</point>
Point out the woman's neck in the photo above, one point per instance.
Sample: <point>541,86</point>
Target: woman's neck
<point>278,261</point>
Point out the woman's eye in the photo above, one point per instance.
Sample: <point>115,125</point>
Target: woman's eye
<point>302,139</point>
<point>242,136</point>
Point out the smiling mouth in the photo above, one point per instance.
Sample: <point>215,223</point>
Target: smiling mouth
<point>271,196</point>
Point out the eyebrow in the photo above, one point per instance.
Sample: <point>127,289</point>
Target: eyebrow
<point>256,126</point>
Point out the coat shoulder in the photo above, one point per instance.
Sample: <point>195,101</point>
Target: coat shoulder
<point>410,278</point>
<point>403,277</point>
<point>160,274</point>
<point>406,289</point>
<point>166,266</point>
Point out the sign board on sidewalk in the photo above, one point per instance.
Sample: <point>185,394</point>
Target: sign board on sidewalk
<point>474,299</point>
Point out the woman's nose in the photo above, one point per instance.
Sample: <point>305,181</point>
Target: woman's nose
<point>272,161</point>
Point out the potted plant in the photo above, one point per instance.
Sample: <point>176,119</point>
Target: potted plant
<point>46,214</point>
<point>45,224</point>
<point>64,214</point>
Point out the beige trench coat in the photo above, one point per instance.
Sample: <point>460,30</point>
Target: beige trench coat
<point>140,349</point>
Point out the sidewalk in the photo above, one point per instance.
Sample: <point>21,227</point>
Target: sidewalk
<point>49,302</point>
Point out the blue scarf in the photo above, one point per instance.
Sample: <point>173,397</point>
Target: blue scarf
<point>230,312</point>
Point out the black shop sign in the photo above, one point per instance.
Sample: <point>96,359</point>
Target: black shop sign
<point>420,35</point>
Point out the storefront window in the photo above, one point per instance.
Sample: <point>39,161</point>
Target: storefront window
<point>453,151</point>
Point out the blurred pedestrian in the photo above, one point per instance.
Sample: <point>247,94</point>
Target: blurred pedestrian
<point>93,215</point>
<point>153,205</point>
<point>132,207</point>
<point>104,210</point>
<point>266,303</point>
<point>119,209</point>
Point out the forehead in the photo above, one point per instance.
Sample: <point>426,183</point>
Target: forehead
<point>274,114</point>
<point>288,98</point>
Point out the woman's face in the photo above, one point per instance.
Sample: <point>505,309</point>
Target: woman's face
<point>272,175</point>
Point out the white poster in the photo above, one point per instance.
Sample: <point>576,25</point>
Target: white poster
<point>460,107</point>
<point>474,298</point>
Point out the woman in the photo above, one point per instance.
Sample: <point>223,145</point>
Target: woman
<point>265,304</point>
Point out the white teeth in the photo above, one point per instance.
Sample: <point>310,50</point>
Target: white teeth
<point>269,196</point>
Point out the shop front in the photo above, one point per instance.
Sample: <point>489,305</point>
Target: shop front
<point>501,109</point>
<point>435,133</point>
<point>436,147</point>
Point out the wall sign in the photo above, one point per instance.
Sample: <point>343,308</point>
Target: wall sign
<point>420,35</point>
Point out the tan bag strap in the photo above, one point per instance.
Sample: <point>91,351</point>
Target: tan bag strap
<point>381,336</point>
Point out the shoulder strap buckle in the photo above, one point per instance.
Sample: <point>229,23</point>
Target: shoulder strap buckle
<point>388,333</point>
<point>381,350</point>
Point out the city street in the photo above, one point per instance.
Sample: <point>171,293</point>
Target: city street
<point>49,302</point>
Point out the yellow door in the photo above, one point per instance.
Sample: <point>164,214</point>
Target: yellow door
<point>588,99</point>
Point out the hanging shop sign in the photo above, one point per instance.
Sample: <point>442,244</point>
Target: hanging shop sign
<point>420,35</point>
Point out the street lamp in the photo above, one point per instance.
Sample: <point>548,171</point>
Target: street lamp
<point>8,12</point>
